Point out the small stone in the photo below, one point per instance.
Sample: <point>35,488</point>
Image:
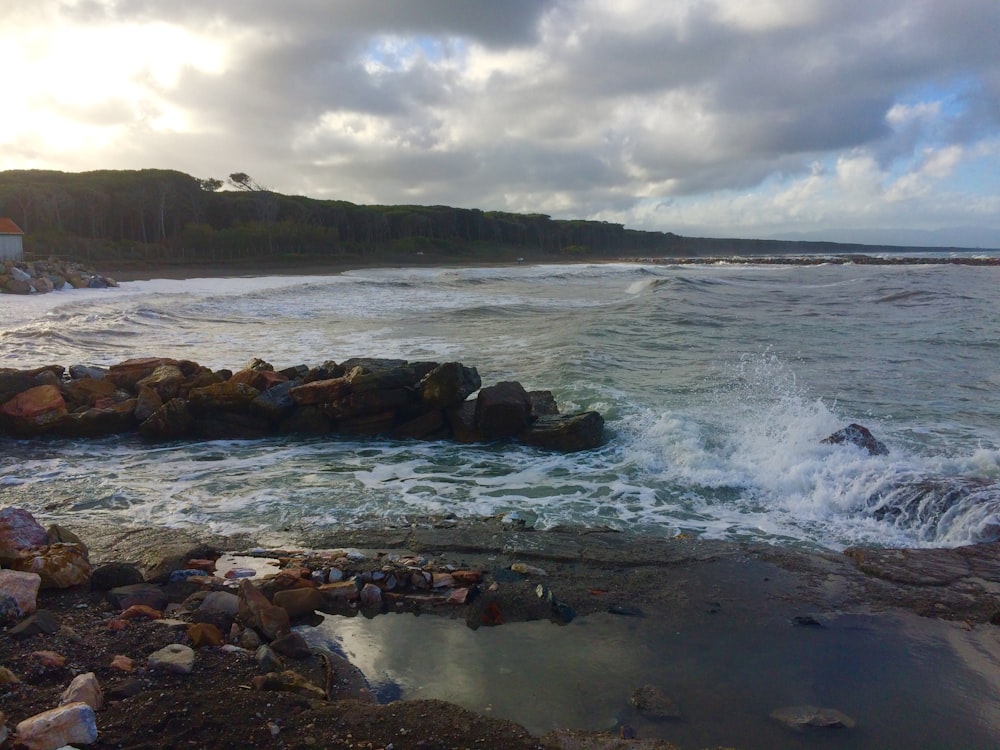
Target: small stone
<point>527,570</point>
<point>203,634</point>
<point>175,657</point>
<point>50,659</point>
<point>127,688</point>
<point>292,645</point>
<point>122,663</point>
<point>84,689</point>
<point>43,621</point>
<point>73,723</point>
<point>268,660</point>
<point>7,677</point>
<point>141,611</point>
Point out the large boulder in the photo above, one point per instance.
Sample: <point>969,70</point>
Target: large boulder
<point>321,391</point>
<point>33,411</point>
<point>228,396</point>
<point>59,565</point>
<point>165,380</point>
<point>566,433</point>
<point>128,373</point>
<point>503,410</point>
<point>171,421</point>
<point>108,420</point>
<point>87,392</point>
<point>449,384</point>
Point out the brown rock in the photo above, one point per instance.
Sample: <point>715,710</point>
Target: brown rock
<point>255,611</point>
<point>59,565</point>
<point>566,432</point>
<point>449,384</point>
<point>204,634</point>
<point>141,611</point>
<point>146,404</point>
<point>86,391</point>
<point>222,397</point>
<point>128,373</point>
<point>503,410</point>
<point>110,419</point>
<point>321,391</point>
<point>33,411</point>
<point>299,602</point>
<point>22,587</point>
<point>171,421</point>
<point>165,380</point>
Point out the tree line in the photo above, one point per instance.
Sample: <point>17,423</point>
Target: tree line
<point>156,214</point>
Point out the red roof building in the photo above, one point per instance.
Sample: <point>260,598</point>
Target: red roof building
<point>10,240</point>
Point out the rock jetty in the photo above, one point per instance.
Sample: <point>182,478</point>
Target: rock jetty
<point>169,399</point>
<point>43,276</point>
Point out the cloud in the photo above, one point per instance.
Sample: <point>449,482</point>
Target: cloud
<point>727,116</point>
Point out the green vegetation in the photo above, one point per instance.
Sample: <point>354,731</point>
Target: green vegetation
<point>167,216</point>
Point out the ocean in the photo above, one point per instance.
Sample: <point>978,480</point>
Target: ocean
<point>718,383</point>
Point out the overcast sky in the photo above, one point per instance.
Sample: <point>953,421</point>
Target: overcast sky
<point>743,118</point>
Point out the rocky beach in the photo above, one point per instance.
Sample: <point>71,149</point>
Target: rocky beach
<point>184,643</point>
<point>165,637</point>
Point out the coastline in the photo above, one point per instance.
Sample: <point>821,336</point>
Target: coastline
<point>685,587</point>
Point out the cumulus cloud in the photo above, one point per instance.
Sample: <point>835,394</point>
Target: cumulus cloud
<point>721,117</point>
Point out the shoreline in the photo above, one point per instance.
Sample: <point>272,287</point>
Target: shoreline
<point>144,271</point>
<point>687,585</point>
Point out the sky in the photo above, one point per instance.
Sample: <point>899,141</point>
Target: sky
<point>846,120</point>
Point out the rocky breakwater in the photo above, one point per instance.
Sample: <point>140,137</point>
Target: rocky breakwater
<point>169,399</point>
<point>41,277</point>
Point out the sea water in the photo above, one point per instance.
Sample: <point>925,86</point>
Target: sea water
<point>718,383</point>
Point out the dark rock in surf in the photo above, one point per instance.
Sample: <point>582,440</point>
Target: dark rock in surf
<point>543,403</point>
<point>171,421</point>
<point>566,433</point>
<point>503,410</point>
<point>449,384</point>
<point>855,434</point>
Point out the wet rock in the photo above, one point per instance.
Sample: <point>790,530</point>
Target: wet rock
<point>34,411</point>
<point>84,688</point>
<point>72,724</point>
<point>87,392</point>
<point>165,381</point>
<point>43,621</point>
<point>268,660</point>
<point>566,433</point>
<point>175,657</point>
<point>625,610</point>
<point>543,403</point>
<point>112,419</point>
<point>146,404</point>
<point>59,565</point>
<point>22,589</point>
<point>528,570</point>
<point>855,434</point>
<point>127,374</point>
<point>800,717</point>
<point>503,410</point>
<point>321,391</point>
<point>449,384</point>
<point>171,421</point>
<point>650,701</point>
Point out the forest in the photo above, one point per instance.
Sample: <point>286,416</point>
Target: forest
<point>164,216</point>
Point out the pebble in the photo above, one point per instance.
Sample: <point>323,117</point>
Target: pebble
<point>527,570</point>
<point>51,659</point>
<point>84,689</point>
<point>175,657</point>
<point>122,663</point>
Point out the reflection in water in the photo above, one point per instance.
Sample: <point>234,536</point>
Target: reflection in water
<point>726,677</point>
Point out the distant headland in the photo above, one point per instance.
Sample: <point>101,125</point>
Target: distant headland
<point>126,221</point>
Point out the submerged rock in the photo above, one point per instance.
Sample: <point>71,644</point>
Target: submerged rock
<point>799,717</point>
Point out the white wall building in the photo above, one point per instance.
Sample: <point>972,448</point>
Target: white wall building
<point>10,240</point>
